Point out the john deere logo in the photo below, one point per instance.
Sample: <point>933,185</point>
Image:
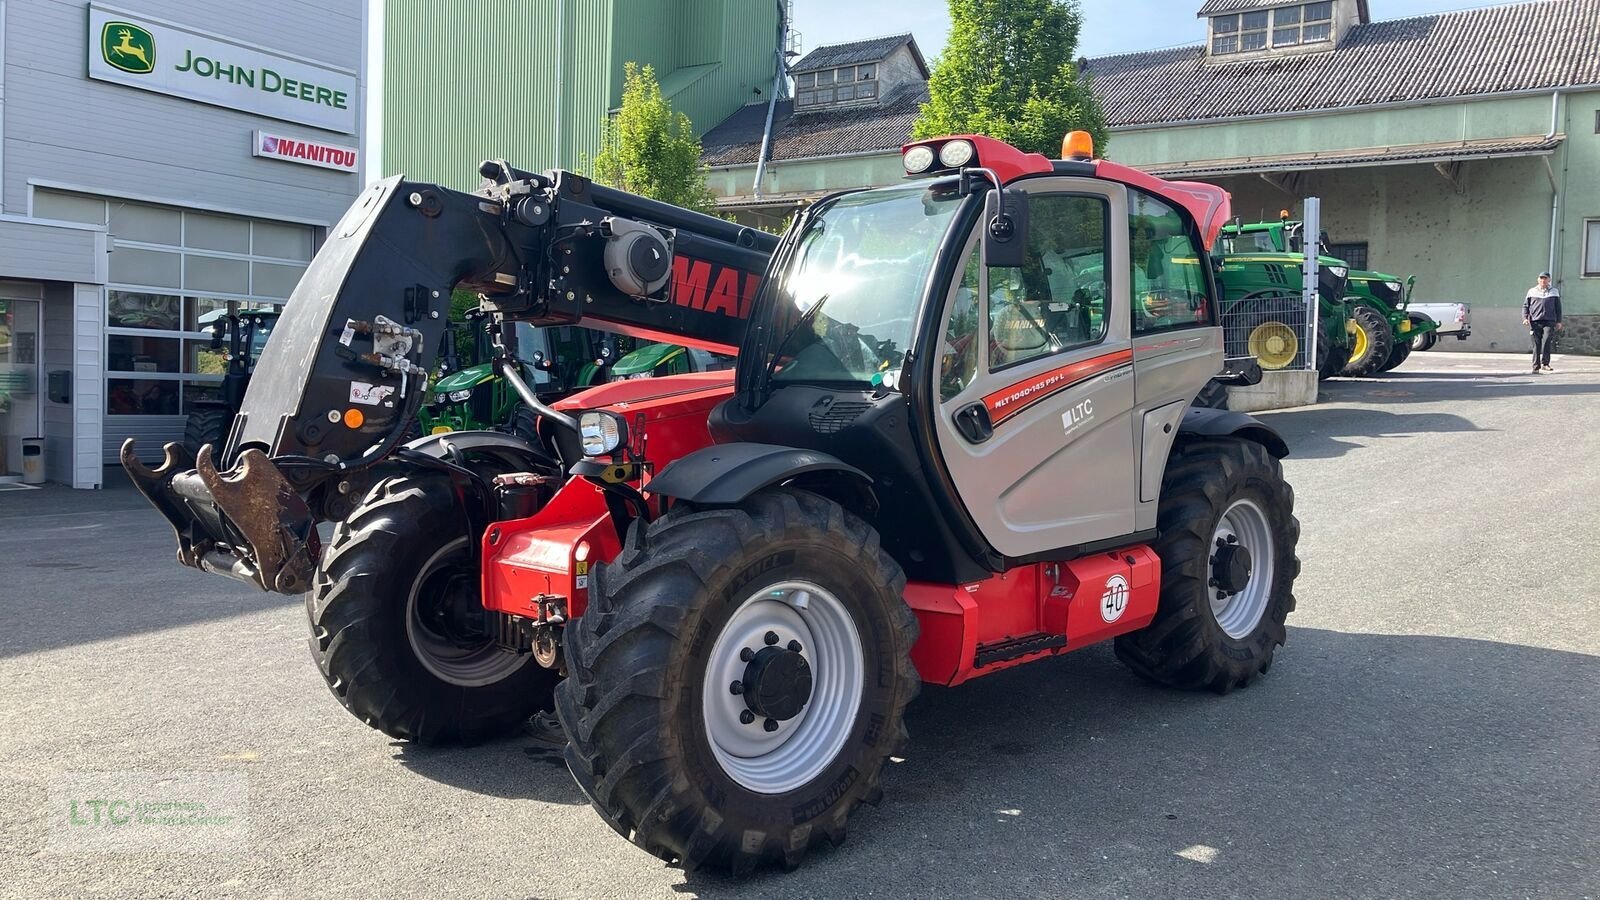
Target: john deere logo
<point>128,47</point>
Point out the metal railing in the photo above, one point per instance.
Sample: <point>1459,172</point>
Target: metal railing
<point>1274,330</point>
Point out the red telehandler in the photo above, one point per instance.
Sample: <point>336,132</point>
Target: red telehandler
<point>959,439</point>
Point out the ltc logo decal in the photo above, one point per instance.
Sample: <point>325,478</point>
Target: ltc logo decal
<point>1115,599</point>
<point>128,47</point>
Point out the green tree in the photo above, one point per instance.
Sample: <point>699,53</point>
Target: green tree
<point>649,150</point>
<point>1008,72</point>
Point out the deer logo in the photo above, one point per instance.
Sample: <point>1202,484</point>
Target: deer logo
<point>128,47</point>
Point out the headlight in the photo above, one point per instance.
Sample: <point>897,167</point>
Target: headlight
<point>458,396</point>
<point>601,432</point>
<point>1340,271</point>
<point>1394,286</point>
<point>918,159</point>
<point>440,398</point>
<point>956,154</point>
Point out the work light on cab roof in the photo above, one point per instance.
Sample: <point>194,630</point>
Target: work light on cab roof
<point>952,153</point>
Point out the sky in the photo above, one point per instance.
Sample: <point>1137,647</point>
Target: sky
<point>1109,26</point>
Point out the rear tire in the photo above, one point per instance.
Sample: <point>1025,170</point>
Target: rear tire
<point>1422,343</point>
<point>1379,342</point>
<point>659,738</point>
<point>1212,489</point>
<point>207,425</point>
<point>383,633</point>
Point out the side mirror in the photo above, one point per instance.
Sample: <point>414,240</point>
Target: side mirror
<point>1250,374</point>
<point>1005,229</point>
<point>218,328</point>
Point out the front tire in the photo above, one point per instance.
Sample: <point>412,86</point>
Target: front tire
<point>397,627</point>
<point>1331,360</point>
<point>207,425</point>
<point>1374,342</point>
<point>1401,351</point>
<point>1217,496</point>
<point>696,770</point>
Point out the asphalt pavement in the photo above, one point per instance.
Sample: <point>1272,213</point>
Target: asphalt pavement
<point>1429,729</point>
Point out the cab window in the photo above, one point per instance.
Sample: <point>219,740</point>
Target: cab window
<point>958,361</point>
<point>1169,279</point>
<point>1057,300</point>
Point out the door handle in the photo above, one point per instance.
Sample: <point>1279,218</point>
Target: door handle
<point>973,422</point>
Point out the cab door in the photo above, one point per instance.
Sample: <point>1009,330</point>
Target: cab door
<point>1036,382</point>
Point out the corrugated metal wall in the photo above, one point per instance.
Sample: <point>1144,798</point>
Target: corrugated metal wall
<point>466,82</point>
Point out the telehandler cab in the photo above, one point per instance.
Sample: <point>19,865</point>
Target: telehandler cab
<point>952,445</point>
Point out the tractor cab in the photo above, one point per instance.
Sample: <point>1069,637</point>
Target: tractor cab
<point>970,349</point>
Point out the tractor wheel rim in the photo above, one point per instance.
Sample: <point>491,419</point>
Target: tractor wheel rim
<point>467,663</point>
<point>1273,344</point>
<point>1239,612</point>
<point>1358,350</point>
<point>764,754</point>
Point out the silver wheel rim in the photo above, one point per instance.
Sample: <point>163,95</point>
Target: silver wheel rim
<point>775,762</point>
<point>1238,614</point>
<point>448,660</point>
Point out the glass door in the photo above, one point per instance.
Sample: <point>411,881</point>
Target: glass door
<point>19,382</point>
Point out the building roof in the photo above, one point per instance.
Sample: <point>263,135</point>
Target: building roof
<point>1453,151</point>
<point>1501,49</point>
<point>870,50</point>
<point>1222,7</point>
<point>879,127</point>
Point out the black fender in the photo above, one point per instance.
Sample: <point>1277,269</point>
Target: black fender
<point>1203,422</point>
<point>725,474</point>
<point>508,447</point>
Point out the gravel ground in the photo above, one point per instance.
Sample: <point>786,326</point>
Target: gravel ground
<point>1429,729</point>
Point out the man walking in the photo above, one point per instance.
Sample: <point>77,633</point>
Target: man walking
<point>1541,312</point>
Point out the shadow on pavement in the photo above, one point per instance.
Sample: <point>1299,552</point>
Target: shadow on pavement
<point>519,768</point>
<point>1430,388</point>
<point>1364,765</point>
<point>1314,432</point>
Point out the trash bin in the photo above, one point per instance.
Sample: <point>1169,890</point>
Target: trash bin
<point>33,460</point>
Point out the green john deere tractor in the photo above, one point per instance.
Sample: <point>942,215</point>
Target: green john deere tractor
<point>1381,328</point>
<point>469,396</point>
<point>1378,304</point>
<point>1261,289</point>
<point>239,337</point>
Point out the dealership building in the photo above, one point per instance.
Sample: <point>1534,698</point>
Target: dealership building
<point>162,162</point>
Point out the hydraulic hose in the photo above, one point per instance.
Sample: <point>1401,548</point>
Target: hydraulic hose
<point>505,368</point>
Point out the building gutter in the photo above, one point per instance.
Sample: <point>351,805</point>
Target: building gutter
<point>1340,110</point>
<point>859,154</point>
<point>772,102</point>
<point>1555,192</point>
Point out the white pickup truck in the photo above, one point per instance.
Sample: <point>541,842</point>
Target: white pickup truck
<point>1453,318</point>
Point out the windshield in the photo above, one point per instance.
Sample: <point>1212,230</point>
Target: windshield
<point>1248,242</point>
<point>849,301</point>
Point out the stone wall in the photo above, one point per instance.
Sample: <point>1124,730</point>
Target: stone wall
<point>1582,335</point>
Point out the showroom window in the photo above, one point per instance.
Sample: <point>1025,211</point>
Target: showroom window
<point>172,273</point>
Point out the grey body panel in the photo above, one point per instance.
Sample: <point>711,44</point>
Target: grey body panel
<point>1159,431</point>
<point>1170,367</point>
<point>1062,471</point>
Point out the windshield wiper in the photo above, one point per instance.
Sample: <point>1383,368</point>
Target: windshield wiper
<point>805,319</point>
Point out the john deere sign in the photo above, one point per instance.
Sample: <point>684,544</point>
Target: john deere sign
<point>154,55</point>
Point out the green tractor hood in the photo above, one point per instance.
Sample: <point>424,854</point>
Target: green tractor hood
<point>645,360</point>
<point>470,377</point>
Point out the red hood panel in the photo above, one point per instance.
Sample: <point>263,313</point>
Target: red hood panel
<point>634,392</point>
